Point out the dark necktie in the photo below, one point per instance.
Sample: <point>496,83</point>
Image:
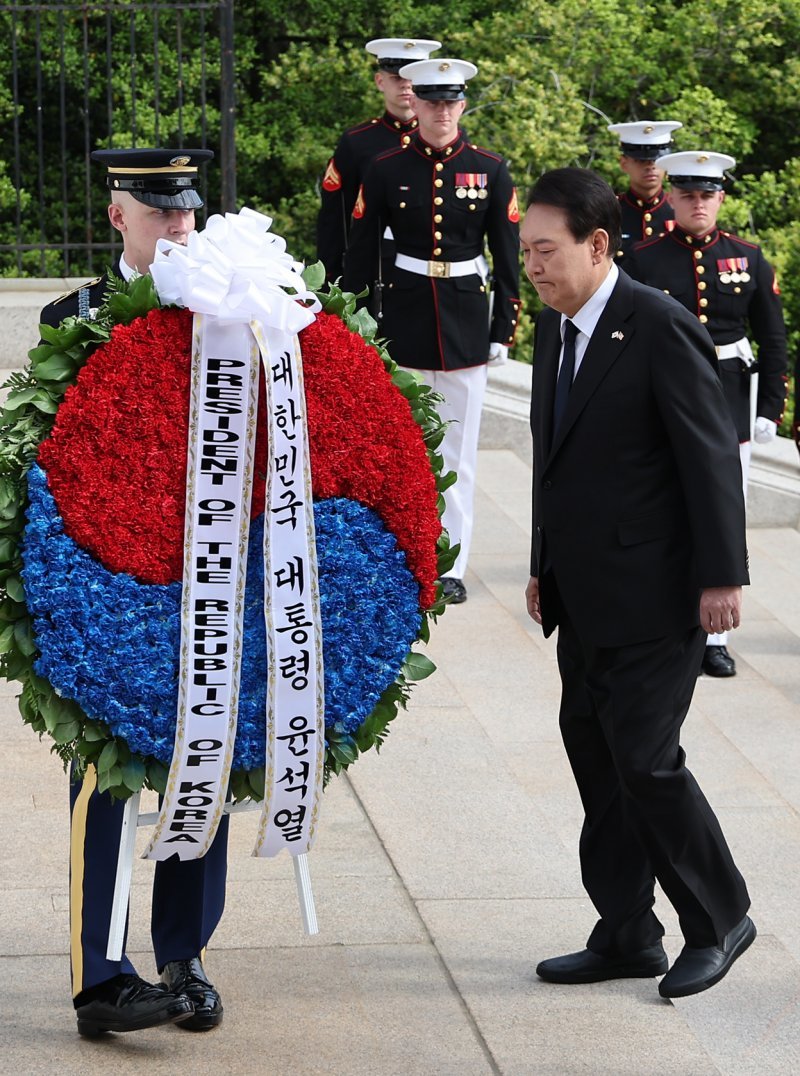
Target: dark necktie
<point>565,375</point>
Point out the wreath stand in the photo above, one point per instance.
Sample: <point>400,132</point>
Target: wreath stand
<point>131,820</point>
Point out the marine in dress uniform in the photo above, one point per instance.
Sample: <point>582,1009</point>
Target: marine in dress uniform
<point>154,195</point>
<point>728,283</point>
<point>644,206</point>
<point>442,197</point>
<point>359,145</point>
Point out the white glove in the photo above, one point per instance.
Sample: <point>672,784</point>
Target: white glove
<point>498,354</point>
<point>764,430</point>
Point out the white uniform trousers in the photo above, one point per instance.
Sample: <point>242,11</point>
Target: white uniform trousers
<point>463,392</point>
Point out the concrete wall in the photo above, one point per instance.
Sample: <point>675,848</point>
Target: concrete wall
<point>774,491</point>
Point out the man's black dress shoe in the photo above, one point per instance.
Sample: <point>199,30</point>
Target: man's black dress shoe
<point>128,1003</point>
<point>589,967</point>
<point>188,977</point>
<point>698,969</point>
<point>454,590</point>
<point>718,662</point>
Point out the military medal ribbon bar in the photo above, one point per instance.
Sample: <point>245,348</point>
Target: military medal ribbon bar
<point>472,185</point>
<point>733,270</point>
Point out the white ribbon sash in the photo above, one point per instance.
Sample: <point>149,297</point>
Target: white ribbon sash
<point>295,690</point>
<point>219,478</point>
<point>237,277</point>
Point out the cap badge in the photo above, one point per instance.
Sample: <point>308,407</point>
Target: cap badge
<point>409,45</point>
<point>649,130</point>
<point>180,162</point>
<point>703,158</point>
<point>444,67</point>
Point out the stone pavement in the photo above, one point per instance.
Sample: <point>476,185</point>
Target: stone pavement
<point>445,868</point>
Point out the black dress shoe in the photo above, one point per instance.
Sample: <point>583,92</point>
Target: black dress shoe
<point>589,967</point>
<point>698,969</point>
<point>454,590</point>
<point>188,977</point>
<point>718,662</point>
<point>128,1003</point>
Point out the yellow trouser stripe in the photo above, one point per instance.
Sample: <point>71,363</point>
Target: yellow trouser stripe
<point>76,856</point>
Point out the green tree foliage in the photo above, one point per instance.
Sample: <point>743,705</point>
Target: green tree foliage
<point>552,75</point>
<point>78,77</point>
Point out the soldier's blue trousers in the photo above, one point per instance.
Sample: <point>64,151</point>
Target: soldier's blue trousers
<point>188,897</point>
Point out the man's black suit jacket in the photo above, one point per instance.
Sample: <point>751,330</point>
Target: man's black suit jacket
<point>637,503</point>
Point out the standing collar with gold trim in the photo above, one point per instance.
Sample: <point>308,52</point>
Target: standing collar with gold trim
<point>431,153</point>
<point>694,242</point>
<point>401,126</point>
<point>644,204</point>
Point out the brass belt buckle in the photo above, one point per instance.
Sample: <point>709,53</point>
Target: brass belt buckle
<point>439,269</point>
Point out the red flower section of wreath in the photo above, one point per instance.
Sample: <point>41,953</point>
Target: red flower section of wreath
<point>366,445</point>
<point>116,457</point>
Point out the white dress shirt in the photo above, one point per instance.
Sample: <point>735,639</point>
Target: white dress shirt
<point>587,318</point>
<point>125,270</point>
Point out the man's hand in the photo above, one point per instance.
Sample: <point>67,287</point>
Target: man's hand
<point>720,609</point>
<point>532,599</point>
<point>764,430</point>
<point>498,354</point>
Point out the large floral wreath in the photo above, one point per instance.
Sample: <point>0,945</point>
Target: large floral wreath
<point>92,474</point>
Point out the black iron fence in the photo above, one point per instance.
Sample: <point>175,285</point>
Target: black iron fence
<point>102,73</point>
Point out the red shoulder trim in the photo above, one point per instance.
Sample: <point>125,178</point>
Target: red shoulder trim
<point>360,128</point>
<point>387,153</point>
<point>485,152</point>
<point>738,239</point>
<point>643,244</point>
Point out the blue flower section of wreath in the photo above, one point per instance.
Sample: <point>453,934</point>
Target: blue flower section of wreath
<point>111,643</point>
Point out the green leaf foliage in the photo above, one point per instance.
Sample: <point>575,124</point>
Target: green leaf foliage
<point>551,76</point>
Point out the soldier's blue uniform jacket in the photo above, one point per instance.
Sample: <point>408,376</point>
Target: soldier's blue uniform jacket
<point>79,303</point>
<point>642,218</point>
<point>731,287</point>
<point>440,204</point>
<point>345,173</point>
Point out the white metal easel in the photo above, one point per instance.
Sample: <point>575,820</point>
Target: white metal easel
<point>131,820</point>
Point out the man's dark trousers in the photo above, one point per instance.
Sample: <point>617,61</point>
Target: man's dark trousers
<point>645,816</point>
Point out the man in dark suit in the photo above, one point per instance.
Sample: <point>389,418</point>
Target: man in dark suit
<point>154,196</point>
<point>638,551</point>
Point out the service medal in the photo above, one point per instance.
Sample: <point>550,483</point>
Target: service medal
<point>736,277</point>
<point>483,193</point>
<point>472,193</point>
<point>744,277</point>
<point>724,278</point>
<point>461,192</point>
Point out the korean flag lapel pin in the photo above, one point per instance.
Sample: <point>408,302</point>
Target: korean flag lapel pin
<point>617,335</point>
